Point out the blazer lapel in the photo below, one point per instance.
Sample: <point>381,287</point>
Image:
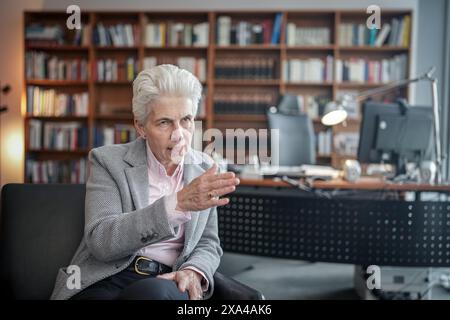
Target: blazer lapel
<point>190,172</point>
<point>137,175</point>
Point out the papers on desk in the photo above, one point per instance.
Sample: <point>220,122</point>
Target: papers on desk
<point>303,171</point>
<point>320,171</point>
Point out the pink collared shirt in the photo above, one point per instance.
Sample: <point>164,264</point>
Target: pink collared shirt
<point>160,185</point>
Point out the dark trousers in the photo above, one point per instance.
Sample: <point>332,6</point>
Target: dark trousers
<point>128,285</point>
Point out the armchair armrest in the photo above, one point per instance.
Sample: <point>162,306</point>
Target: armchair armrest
<point>226,288</point>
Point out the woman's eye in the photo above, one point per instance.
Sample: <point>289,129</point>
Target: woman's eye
<point>164,123</point>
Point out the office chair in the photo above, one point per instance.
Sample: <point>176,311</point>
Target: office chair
<point>296,133</point>
<point>41,227</point>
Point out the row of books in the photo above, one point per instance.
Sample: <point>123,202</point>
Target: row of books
<point>36,33</point>
<point>372,71</point>
<point>56,171</point>
<point>308,36</point>
<point>119,35</point>
<point>115,69</point>
<point>41,65</point>
<point>308,70</point>
<point>395,33</point>
<point>243,33</point>
<point>323,142</point>
<point>117,133</point>
<point>49,102</point>
<point>59,136</point>
<point>197,66</point>
<point>39,34</point>
<point>242,103</point>
<point>245,68</point>
<point>170,34</point>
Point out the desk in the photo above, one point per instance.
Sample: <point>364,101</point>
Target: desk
<point>267,218</point>
<point>364,183</point>
<point>274,219</point>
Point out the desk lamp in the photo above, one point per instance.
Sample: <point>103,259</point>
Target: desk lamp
<point>335,112</point>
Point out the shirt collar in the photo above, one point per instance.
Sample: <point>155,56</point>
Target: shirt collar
<point>154,165</point>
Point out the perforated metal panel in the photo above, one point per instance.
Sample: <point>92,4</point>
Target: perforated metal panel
<point>286,225</point>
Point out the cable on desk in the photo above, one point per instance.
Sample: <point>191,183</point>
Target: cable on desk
<point>308,186</point>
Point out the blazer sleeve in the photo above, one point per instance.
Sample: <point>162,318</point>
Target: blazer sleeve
<point>110,233</point>
<point>206,255</point>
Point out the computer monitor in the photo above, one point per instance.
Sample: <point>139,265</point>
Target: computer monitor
<point>395,133</point>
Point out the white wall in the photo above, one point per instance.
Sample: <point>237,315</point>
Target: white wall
<point>11,72</point>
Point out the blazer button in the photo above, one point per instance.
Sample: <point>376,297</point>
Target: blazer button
<point>144,239</point>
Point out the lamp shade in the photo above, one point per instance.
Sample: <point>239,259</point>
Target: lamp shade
<point>334,114</point>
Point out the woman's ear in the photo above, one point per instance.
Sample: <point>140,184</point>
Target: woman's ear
<point>140,129</point>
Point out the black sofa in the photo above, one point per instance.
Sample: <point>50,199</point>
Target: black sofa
<point>41,227</point>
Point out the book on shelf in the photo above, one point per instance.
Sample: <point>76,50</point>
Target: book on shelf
<point>56,171</point>
<point>276,34</point>
<point>254,68</point>
<point>83,36</point>
<point>172,34</point>
<point>223,31</point>
<point>383,35</point>
<point>372,71</point>
<point>306,36</point>
<point>68,136</point>
<point>308,70</point>
<point>41,65</point>
<point>48,102</point>
<point>324,142</point>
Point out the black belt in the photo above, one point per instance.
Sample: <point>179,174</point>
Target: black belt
<point>146,266</point>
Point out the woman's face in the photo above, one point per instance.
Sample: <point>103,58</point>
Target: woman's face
<point>169,128</point>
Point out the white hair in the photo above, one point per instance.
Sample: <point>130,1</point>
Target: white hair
<point>163,80</point>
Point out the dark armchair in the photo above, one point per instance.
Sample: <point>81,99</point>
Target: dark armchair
<point>41,227</point>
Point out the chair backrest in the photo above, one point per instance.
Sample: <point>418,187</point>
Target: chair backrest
<point>296,133</point>
<point>41,227</point>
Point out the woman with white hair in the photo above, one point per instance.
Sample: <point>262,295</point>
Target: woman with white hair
<point>150,209</point>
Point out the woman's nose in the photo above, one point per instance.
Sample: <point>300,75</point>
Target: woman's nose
<point>176,135</point>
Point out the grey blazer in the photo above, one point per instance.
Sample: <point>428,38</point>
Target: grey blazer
<point>119,222</point>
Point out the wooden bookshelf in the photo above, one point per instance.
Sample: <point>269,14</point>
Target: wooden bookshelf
<point>109,102</point>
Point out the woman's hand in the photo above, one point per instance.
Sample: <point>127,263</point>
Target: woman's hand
<point>204,191</point>
<point>186,279</point>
